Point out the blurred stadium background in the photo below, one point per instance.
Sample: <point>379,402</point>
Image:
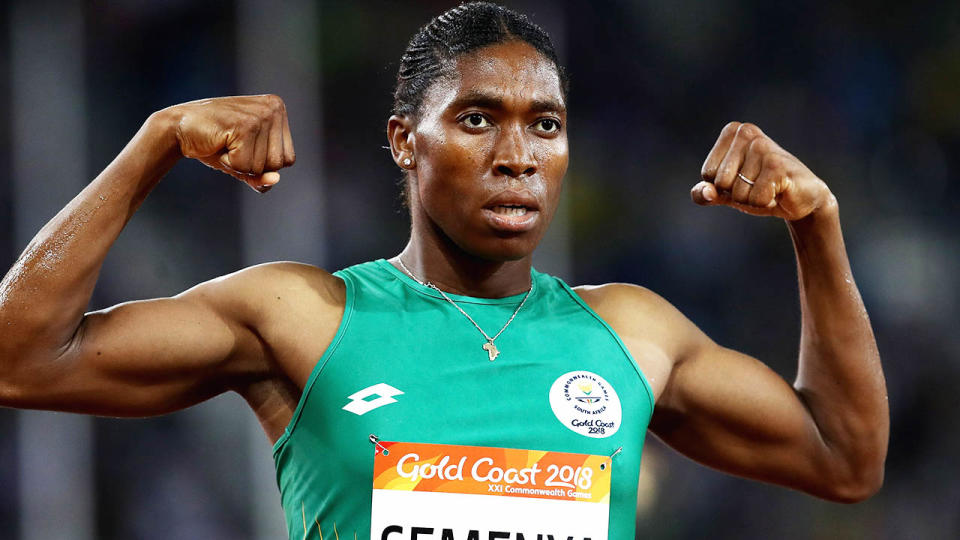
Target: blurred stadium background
<point>865,93</point>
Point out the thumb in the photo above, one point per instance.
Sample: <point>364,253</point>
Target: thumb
<point>263,183</point>
<point>704,194</point>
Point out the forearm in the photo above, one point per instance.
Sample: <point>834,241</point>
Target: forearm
<point>840,378</point>
<point>45,293</point>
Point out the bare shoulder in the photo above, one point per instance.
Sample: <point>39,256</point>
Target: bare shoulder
<point>632,309</point>
<point>655,332</point>
<point>294,309</point>
<point>282,273</point>
<point>257,290</point>
<point>615,299</point>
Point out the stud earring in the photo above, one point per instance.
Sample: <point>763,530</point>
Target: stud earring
<point>407,162</point>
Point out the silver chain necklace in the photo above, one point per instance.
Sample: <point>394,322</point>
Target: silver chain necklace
<point>491,349</point>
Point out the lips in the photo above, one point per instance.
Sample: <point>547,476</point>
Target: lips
<point>512,211</point>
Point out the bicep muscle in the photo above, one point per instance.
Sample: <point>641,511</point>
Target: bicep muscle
<point>144,358</point>
<point>731,412</point>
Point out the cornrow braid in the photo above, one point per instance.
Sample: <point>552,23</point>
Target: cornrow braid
<point>458,31</point>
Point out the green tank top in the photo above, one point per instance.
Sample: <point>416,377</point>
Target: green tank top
<point>406,365</point>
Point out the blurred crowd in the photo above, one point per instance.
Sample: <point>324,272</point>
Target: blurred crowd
<point>866,95</point>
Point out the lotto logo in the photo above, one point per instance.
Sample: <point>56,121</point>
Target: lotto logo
<point>360,404</point>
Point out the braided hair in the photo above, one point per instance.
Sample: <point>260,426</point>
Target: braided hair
<point>460,30</point>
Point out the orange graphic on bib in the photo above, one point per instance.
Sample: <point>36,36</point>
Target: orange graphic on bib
<point>504,472</point>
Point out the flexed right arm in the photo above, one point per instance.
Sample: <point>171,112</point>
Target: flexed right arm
<point>52,356</point>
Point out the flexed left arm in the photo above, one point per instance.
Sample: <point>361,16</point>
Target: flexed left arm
<point>828,434</point>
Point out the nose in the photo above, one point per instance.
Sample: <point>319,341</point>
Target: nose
<point>513,156</point>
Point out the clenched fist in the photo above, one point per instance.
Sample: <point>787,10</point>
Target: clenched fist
<point>247,137</point>
<point>748,171</point>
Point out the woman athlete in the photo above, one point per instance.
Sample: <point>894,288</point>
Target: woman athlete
<point>457,340</point>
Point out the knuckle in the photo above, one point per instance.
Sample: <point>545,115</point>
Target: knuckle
<point>760,145</point>
<point>274,102</point>
<point>730,127</point>
<point>749,130</point>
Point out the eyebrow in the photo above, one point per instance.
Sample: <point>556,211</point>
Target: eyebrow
<point>476,98</point>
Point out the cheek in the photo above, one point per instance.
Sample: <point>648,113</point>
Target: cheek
<point>553,167</point>
<point>449,166</point>
<point>440,193</point>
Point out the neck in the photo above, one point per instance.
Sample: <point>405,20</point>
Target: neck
<point>455,271</point>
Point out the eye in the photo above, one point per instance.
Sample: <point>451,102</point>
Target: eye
<point>548,125</point>
<point>476,121</point>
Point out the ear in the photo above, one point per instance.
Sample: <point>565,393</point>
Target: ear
<point>400,136</point>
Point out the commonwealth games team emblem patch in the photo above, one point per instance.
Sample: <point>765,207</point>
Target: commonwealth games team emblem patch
<point>586,403</point>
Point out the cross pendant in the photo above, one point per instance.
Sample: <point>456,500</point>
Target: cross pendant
<point>491,350</point>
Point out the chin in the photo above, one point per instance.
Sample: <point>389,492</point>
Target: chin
<point>503,249</point>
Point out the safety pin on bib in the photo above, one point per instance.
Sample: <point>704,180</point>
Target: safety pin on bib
<point>603,466</point>
<point>379,447</point>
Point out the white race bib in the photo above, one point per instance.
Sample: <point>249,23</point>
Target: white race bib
<point>447,492</point>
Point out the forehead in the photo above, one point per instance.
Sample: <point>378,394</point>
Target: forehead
<point>515,72</point>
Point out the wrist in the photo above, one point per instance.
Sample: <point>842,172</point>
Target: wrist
<point>818,228</point>
<point>824,211</point>
<point>160,131</point>
<point>150,154</point>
